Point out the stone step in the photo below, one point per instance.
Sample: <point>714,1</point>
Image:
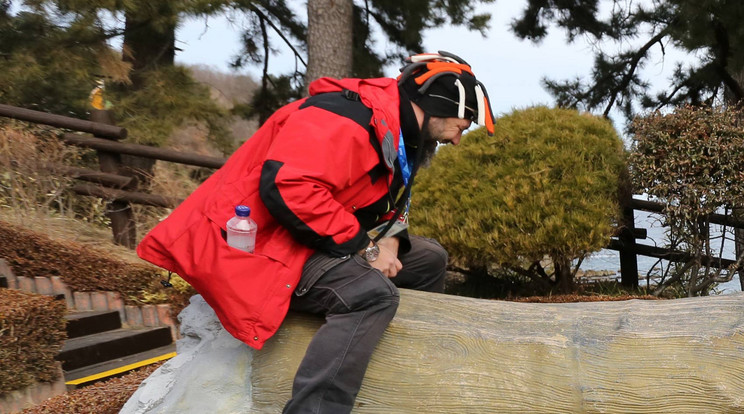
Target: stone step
<point>84,323</point>
<point>104,346</point>
<point>81,377</point>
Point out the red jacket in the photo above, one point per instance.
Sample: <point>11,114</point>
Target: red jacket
<point>303,173</point>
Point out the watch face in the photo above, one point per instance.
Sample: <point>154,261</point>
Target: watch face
<point>371,253</point>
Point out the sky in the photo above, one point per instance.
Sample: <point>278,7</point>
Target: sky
<point>511,69</point>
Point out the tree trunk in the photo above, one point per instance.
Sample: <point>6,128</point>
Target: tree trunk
<point>149,39</point>
<point>738,213</point>
<point>478,283</point>
<point>329,38</point>
<point>563,276</point>
<point>149,43</point>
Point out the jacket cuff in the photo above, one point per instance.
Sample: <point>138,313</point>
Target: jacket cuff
<point>357,243</point>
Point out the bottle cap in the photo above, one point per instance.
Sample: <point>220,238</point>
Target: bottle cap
<point>242,211</point>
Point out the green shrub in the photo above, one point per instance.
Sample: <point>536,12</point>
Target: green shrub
<point>690,160</point>
<point>537,195</point>
<point>32,329</point>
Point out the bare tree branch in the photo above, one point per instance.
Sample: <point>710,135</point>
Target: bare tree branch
<point>640,54</point>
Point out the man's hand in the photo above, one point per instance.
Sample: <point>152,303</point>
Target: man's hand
<point>391,243</point>
<point>387,262</point>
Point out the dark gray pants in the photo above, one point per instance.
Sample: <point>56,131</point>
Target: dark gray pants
<point>358,302</point>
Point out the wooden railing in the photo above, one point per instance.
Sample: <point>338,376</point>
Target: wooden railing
<point>629,250</point>
<point>110,185</point>
<point>114,182</point>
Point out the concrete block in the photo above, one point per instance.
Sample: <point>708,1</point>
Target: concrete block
<point>69,299</point>
<point>15,401</point>
<point>40,392</point>
<point>26,284</point>
<point>34,394</point>
<point>165,318</point>
<point>164,315</point>
<point>82,301</point>
<point>6,271</point>
<point>43,285</point>
<point>59,387</point>
<point>150,315</point>
<point>115,302</point>
<point>99,301</point>
<point>134,316</point>
<point>59,287</point>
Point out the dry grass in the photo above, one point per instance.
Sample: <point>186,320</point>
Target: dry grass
<point>34,194</point>
<point>67,229</point>
<point>29,178</point>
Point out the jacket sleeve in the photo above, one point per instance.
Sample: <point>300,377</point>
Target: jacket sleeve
<point>315,155</point>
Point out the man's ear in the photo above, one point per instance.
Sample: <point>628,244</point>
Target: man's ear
<point>420,115</point>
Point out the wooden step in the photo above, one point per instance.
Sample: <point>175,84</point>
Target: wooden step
<point>90,322</point>
<point>91,374</point>
<point>104,346</point>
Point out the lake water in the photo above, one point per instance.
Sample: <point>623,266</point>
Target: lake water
<point>610,259</point>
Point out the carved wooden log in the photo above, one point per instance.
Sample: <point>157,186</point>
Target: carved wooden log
<point>445,354</point>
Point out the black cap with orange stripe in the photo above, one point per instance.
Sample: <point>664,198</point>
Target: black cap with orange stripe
<point>444,85</point>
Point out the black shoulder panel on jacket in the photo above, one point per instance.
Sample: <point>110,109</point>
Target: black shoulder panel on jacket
<point>348,105</point>
<point>340,104</point>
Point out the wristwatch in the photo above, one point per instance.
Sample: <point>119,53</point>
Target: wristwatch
<point>371,252</point>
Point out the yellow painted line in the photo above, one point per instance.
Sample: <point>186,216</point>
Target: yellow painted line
<point>121,369</point>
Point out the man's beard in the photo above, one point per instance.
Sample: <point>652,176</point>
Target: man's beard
<point>428,147</point>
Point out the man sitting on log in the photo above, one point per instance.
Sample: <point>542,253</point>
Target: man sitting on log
<point>328,179</point>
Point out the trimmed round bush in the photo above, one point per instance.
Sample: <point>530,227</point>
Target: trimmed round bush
<point>540,193</point>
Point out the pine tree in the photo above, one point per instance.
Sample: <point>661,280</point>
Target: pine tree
<point>50,59</point>
<point>403,24</point>
<point>56,51</point>
<point>710,31</point>
<point>339,26</point>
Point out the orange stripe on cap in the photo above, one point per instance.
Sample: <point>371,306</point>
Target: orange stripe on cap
<point>456,67</point>
<point>489,118</point>
<point>439,67</point>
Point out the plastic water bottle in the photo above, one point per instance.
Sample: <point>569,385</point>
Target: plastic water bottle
<point>241,230</point>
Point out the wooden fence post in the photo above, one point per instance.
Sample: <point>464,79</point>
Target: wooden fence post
<point>119,212</point>
<point>628,258</point>
<point>738,214</point>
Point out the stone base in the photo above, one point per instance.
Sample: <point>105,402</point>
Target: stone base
<point>17,401</point>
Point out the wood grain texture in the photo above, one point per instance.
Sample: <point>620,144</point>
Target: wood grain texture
<point>448,354</point>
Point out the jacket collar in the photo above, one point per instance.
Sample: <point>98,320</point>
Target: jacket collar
<point>408,123</point>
